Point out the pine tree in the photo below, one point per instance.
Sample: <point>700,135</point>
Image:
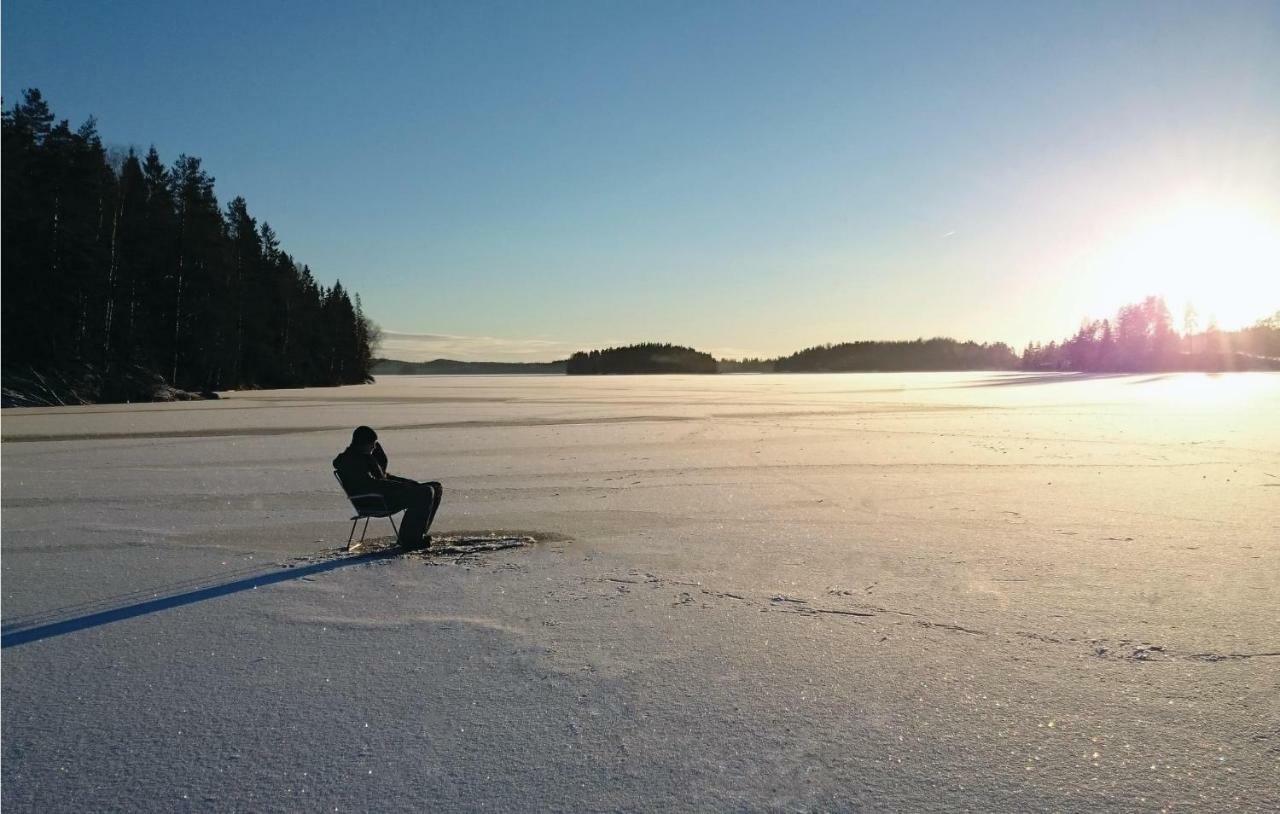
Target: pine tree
<point>128,245</point>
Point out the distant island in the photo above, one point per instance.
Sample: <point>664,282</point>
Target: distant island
<point>919,354</point>
<point>647,357</point>
<point>452,367</point>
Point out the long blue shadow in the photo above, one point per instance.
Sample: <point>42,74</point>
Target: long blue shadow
<point>13,638</point>
<point>1023,379</point>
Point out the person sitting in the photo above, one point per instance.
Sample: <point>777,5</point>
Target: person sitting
<point>362,467</point>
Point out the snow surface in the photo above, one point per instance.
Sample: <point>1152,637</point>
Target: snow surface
<point>987,592</point>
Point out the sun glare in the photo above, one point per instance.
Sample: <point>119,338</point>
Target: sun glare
<point>1222,258</point>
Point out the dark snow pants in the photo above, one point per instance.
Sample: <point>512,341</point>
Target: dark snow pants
<point>420,501</point>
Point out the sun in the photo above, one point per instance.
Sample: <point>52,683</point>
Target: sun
<point>1220,257</point>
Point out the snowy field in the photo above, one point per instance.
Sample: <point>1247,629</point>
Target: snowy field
<point>986,592</point>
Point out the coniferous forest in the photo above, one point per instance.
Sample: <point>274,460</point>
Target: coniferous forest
<point>1142,338</point>
<point>124,279</point>
<point>939,353</point>
<point>647,357</point>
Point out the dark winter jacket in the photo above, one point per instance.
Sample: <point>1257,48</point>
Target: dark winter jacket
<point>363,474</point>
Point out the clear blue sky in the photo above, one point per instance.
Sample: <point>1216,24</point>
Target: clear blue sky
<point>516,180</point>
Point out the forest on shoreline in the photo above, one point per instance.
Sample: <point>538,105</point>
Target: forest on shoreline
<point>938,353</point>
<point>646,357</point>
<point>1140,339</point>
<point>124,280</point>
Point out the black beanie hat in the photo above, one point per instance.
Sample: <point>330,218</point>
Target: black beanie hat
<point>363,435</point>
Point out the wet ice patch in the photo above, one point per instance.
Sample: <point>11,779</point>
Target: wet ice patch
<point>475,543</point>
<point>456,543</point>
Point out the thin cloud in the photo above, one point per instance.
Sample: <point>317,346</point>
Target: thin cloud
<point>417,347</point>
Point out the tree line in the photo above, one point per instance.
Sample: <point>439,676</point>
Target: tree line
<point>920,354</point>
<point>121,264</point>
<point>647,357</point>
<point>939,353</point>
<point>1142,337</point>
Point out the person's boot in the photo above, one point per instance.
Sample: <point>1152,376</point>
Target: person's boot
<point>416,545</point>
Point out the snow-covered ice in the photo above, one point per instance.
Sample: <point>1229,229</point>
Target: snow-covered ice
<point>884,592</point>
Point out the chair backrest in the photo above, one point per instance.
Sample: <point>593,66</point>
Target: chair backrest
<point>372,503</point>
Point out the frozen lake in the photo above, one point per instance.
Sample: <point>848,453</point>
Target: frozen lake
<point>886,592</point>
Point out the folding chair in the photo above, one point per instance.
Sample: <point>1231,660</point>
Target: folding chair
<point>367,506</point>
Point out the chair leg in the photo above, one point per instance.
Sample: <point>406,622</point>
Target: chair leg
<point>364,530</point>
<point>353,531</point>
<point>394,530</point>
